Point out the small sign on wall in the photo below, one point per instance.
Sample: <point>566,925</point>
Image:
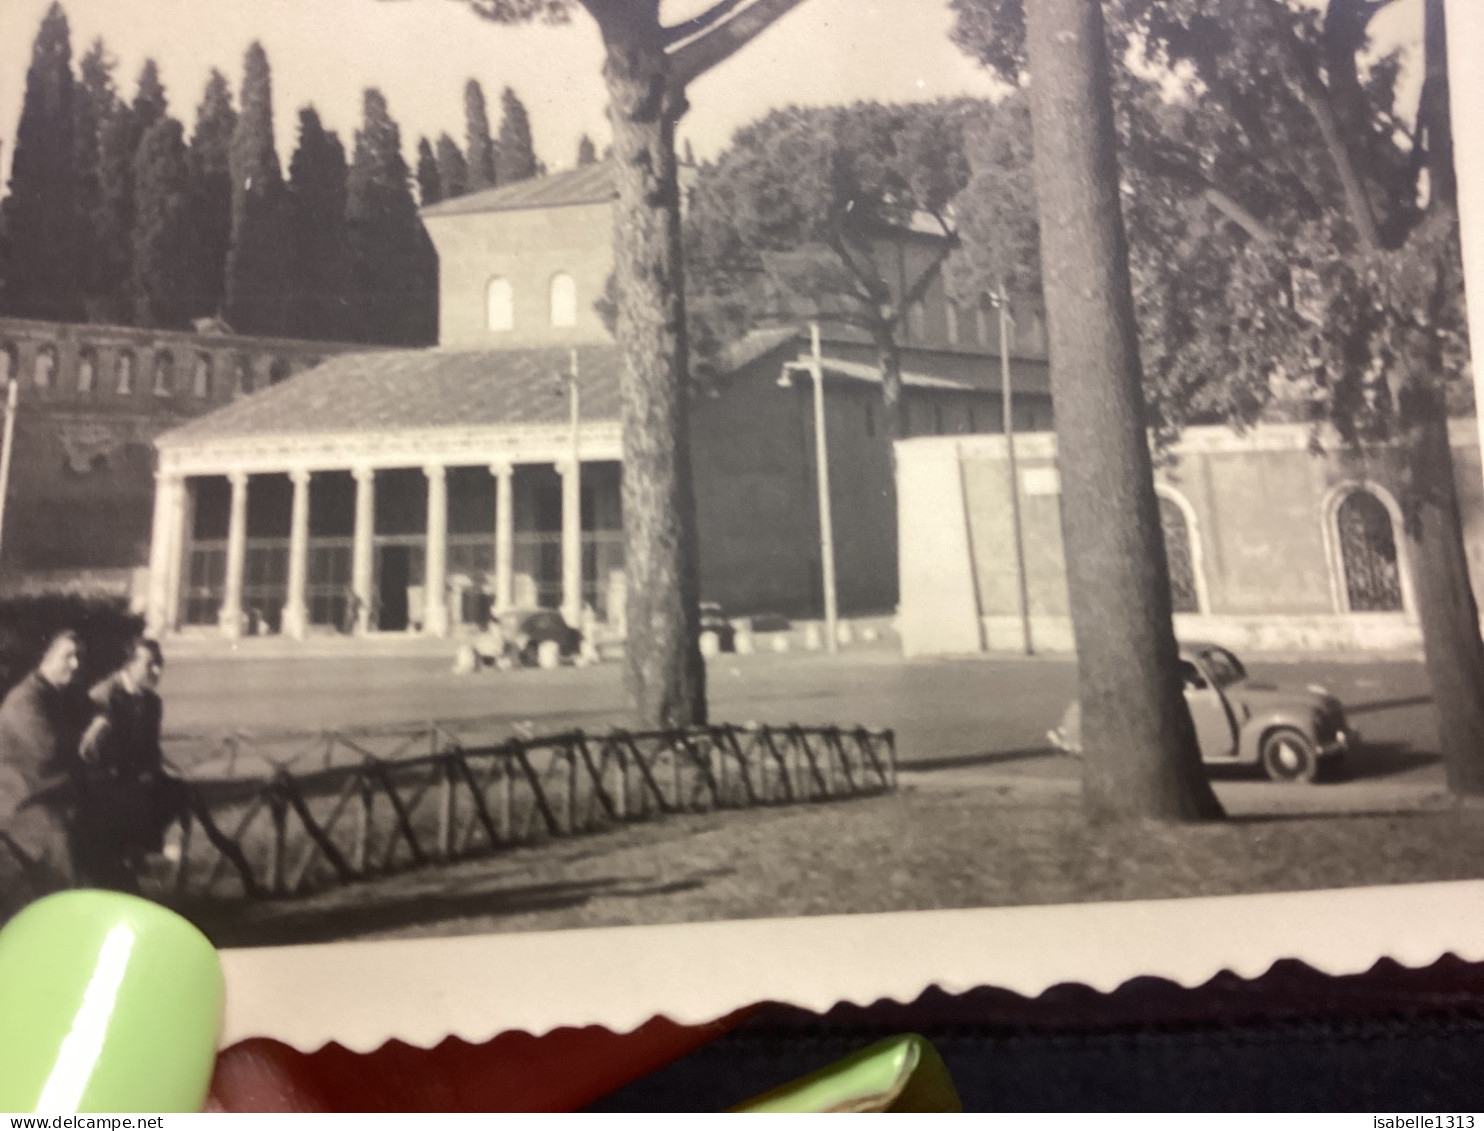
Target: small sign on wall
<point>1040,481</point>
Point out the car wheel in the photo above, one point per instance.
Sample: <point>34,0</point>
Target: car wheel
<point>1288,755</point>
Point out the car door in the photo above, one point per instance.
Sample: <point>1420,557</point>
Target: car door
<point>1214,728</point>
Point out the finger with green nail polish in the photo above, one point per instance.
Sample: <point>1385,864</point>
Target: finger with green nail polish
<point>896,1075</point>
<point>108,1002</point>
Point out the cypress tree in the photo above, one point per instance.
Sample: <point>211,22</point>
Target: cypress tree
<point>162,234</point>
<point>453,171</point>
<point>587,152</point>
<point>429,183</point>
<point>95,102</point>
<point>41,213</point>
<point>150,104</point>
<point>319,264</point>
<point>113,223</point>
<point>257,261</point>
<point>480,147</point>
<point>209,161</point>
<point>515,155</point>
<point>390,278</point>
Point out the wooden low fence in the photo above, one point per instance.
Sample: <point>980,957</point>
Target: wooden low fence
<point>296,831</point>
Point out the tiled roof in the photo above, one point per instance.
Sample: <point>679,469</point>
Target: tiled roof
<point>399,390</point>
<point>588,184</point>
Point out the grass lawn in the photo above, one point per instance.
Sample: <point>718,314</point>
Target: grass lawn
<point>1000,841</point>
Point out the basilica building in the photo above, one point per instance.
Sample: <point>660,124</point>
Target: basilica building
<point>425,491</point>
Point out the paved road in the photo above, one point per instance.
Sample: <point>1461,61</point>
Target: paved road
<point>949,715</point>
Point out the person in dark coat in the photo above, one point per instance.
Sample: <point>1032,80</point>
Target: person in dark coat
<point>38,758</point>
<point>127,798</point>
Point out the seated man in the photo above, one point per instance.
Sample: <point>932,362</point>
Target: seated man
<point>38,747</point>
<point>128,799</point>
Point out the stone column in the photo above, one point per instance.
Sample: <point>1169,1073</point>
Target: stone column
<point>362,567</point>
<point>435,580</point>
<point>231,614</point>
<point>296,607</point>
<point>166,545</point>
<point>504,475</point>
<point>571,541</point>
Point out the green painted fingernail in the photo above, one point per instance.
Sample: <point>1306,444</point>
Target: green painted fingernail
<point>899,1074</point>
<point>107,1003</point>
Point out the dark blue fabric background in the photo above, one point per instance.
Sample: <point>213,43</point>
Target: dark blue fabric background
<point>1294,1040</point>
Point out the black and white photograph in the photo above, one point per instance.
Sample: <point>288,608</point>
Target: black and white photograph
<point>480,466</point>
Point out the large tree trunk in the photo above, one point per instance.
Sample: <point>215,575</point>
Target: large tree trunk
<point>1141,753</point>
<point>1445,601</point>
<point>889,361</point>
<point>666,675</point>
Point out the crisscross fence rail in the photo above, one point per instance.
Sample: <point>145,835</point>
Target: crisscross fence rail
<point>294,832</point>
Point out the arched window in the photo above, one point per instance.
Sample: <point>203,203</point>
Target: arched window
<point>44,366</point>
<point>201,376</point>
<point>1367,541</point>
<point>1185,594</point>
<point>951,310</point>
<point>124,373</point>
<point>87,372</point>
<point>164,385</point>
<point>499,305</point>
<point>563,300</point>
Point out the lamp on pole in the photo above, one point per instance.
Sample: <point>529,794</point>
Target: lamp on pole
<point>815,368</point>
<point>1007,417</point>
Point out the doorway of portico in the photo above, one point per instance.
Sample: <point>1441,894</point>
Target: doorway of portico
<point>400,549</point>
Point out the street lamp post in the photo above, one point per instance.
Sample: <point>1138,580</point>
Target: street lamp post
<point>815,368</point>
<point>1007,416</point>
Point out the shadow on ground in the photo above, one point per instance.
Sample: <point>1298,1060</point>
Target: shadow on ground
<point>387,905</point>
<point>986,758</point>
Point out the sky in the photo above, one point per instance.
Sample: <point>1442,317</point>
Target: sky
<point>421,52</point>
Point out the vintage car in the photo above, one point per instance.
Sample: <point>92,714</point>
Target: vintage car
<point>1288,732</point>
<point>519,634</point>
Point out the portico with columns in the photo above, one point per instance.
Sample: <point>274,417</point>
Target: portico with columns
<point>292,515</point>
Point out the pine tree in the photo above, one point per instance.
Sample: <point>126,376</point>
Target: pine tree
<point>95,103</point>
<point>480,147</point>
<point>257,262</point>
<point>319,265</point>
<point>453,171</point>
<point>587,152</point>
<point>210,159</point>
<point>429,183</point>
<point>515,155</point>
<point>162,234</point>
<point>41,215</point>
<point>388,250</point>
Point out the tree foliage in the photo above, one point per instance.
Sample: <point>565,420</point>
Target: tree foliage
<point>389,268</point>
<point>257,262</point>
<point>41,214</point>
<point>479,146</point>
<point>587,152</point>
<point>162,233</point>
<point>453,170</point>
<point>797,220</point>
<point>96,102</point>
<point>211,196</point>
<point>319,262</point>
<point>515,153</point>
<point>429,182</point>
